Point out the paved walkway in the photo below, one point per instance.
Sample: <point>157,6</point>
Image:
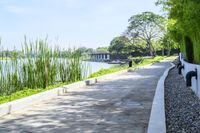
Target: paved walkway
<point>120,105</point>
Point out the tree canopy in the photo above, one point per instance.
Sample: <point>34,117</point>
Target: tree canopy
<point>183,25</point>
<point>145,35</point>
<point>118,44</point>
<point>102,49</point>
<point>147,26</point>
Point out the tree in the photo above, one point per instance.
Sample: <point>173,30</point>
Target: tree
<point>185,28</point>
<point>90,51</point>
<point>168,44</point>
<point>147,26</point>
<point>102,49</point>
<point>85,51</point>
<point>118,44</point>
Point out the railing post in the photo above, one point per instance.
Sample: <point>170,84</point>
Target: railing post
<point>130,63</point>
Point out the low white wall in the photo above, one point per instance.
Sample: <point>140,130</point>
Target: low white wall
<point>18,105</point>
<point>191,67</point>
<point>157,123</point>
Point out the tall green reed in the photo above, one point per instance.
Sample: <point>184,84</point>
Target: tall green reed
<point>39,67</point>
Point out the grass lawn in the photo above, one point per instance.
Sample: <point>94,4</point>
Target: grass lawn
<point>25,93</point>
<point>140,62</point>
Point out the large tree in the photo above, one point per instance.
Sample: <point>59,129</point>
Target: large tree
<point>148,27</point>
<point>102,49</point>
<point>167,43</point>
<point>118,44</point>
<point>127,45</point>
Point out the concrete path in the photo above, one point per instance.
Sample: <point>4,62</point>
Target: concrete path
<point>120,105</point>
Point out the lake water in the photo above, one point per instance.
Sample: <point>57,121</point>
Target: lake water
<point>96,66</point>
<point>92,66</point>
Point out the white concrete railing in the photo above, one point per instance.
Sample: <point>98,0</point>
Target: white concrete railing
<point>191,67</point>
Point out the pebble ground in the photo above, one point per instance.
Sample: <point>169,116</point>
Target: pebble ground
<point>181,104</point>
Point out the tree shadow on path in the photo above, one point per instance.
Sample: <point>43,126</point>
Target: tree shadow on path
<point>121,105</point>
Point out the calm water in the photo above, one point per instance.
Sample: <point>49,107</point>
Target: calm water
<point>96,66</point>
<point>92,66</point>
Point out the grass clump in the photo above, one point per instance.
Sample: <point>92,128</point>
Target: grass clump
<point>108,71</point>
<point>150,61</point>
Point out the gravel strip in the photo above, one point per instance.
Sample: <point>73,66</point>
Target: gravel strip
<point>182,106</point>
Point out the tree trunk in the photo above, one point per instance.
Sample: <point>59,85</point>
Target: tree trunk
<point>150,48</point>
<point>151,53</point>
<point>163,52</point>
<point>169,50</point>
<point>153,50</point>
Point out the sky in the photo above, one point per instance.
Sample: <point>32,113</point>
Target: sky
<point>67,23</point>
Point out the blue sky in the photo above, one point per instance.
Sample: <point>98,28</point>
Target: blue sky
<point>69,23</point>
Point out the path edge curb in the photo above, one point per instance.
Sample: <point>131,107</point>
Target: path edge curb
<point>157,121</point>
<point>23,103</point>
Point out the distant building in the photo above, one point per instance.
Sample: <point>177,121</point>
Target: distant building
<point>104,57</point>
<point>100,56</point>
